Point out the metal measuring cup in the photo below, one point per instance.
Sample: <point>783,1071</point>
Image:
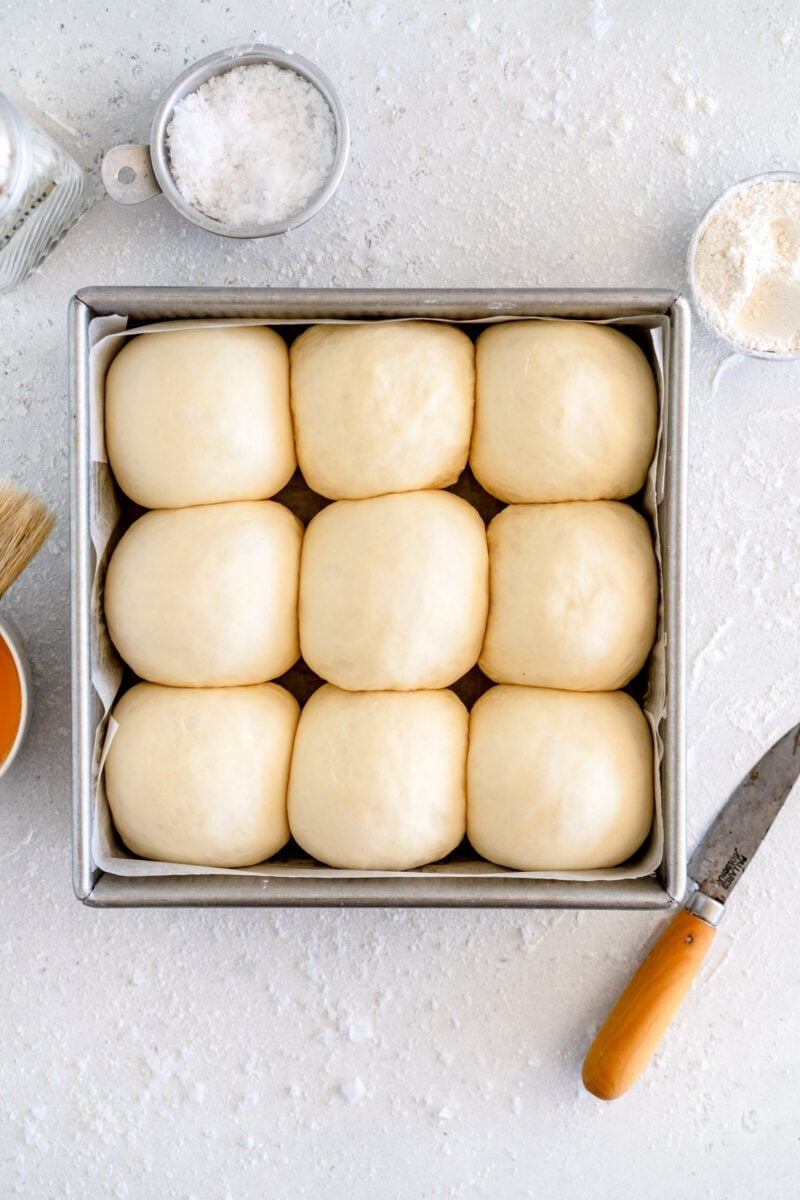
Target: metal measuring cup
<point>132,173</point>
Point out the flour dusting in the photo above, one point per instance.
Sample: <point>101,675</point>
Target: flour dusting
<point>747,266</point>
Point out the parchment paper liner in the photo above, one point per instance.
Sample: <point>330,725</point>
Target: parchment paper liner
<point>106,336</point>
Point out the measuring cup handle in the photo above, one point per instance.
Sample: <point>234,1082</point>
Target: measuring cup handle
<point>127,174</point>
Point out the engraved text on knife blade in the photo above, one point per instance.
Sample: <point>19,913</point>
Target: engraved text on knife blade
<point>719,861</point>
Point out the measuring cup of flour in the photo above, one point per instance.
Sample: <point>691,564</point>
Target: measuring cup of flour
<point>744,266</point>
<point>246,143</point>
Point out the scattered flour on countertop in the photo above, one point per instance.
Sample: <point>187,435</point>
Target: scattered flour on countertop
<point>360,1030</point>
<point>353,1091</point>
<point>598,20</point>
<point>747,266</point>
<point>251,146</point>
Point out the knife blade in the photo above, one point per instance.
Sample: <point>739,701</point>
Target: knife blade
<point>643,1012</point>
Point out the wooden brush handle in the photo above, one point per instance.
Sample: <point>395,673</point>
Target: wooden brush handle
<point>635,1025</point>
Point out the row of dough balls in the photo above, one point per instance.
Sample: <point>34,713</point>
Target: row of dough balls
<point>399,592</point>
<point>539,780</point>
<point>544,411</point>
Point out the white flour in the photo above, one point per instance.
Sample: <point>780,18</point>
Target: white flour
<point>747,267</point>
<point>251,146</point>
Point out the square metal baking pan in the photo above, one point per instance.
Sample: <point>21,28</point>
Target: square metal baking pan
<point>142,305</point>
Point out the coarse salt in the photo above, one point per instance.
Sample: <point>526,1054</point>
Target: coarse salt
<point>252,145</point>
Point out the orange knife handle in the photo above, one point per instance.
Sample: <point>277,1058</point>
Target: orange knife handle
<point>636,1023</point>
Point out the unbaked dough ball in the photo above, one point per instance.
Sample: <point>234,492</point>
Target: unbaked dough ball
<point>558,781</point>
<point>194,416</point>
<point>207,596</point>
<point>574,592</point>
<point>565,410</point>
<point>382,407</point>
<point>394,591</point>
<point>378,778</point>
<point>199,775</point>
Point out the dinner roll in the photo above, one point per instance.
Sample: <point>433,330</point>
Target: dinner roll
<point>558,781</point>
<point>394,591</point>
<point>565,410</point>
<point>382,407</point>
<point>574,592</point>
<point>194,416</point>
<point>207,596</point>
<point>377,780</point>
<point>199,775</point>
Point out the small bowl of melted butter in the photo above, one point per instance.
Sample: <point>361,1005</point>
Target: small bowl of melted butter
<point>15,694</point>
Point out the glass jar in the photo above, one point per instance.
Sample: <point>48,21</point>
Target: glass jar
<point>43,192</point>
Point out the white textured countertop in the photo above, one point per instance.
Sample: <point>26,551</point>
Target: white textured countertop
<point>374,1054</point>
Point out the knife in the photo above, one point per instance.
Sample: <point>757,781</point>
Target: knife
<point>640,1017</point>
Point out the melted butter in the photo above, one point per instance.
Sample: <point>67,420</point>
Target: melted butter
<point>10,700</point>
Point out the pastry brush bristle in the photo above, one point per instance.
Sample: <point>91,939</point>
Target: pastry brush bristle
<point>25,525</point>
